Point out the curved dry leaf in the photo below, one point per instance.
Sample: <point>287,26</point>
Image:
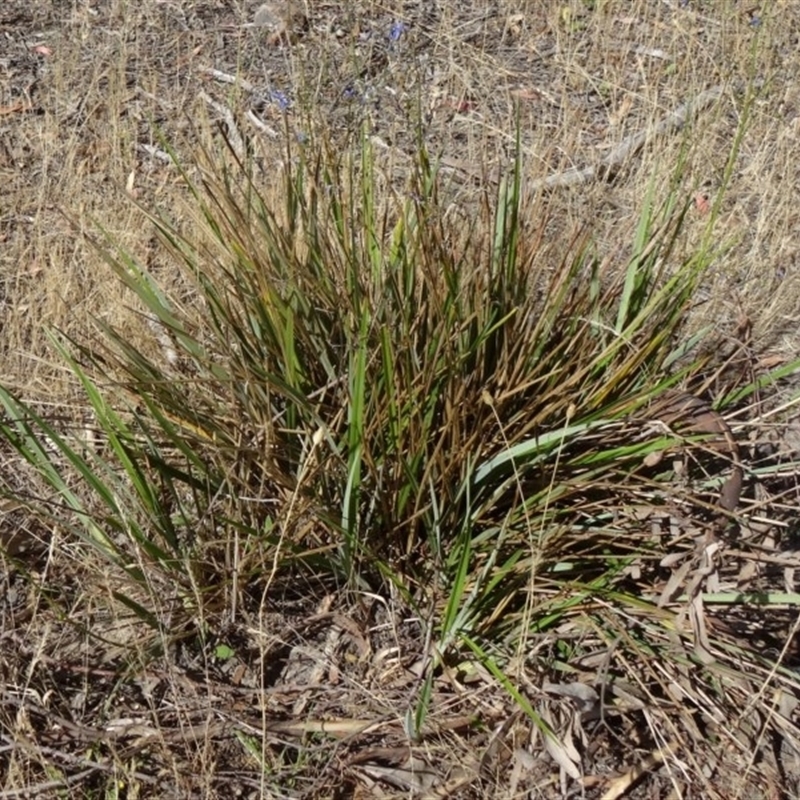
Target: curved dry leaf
<point>619,786</point>
<point>562,751</point>
<point>586,697</point>
<point>564,754</point>
<point>416,775</point>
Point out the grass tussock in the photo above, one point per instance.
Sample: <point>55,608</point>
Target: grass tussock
<point>365,396</point>
<point>432,435</point>
<point>409,385</point>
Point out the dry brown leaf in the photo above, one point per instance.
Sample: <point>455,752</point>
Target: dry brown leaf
<point>561,750</point>
<point>618,786</point>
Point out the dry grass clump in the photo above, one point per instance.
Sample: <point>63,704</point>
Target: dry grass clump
<point>353,459</point>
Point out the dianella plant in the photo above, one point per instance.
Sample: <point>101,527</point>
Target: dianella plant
<point>347,379</point>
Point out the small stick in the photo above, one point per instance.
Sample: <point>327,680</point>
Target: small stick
<point>154,152</point>
<point>261,125</point>
<point>234,135</point>
<point>226,77</point>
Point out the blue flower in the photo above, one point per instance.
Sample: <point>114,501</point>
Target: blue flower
<point>280,99</point>
<point>397,30</point>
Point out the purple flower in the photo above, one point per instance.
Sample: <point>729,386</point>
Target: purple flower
<point>397,30</point>
<point>280,99</point>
